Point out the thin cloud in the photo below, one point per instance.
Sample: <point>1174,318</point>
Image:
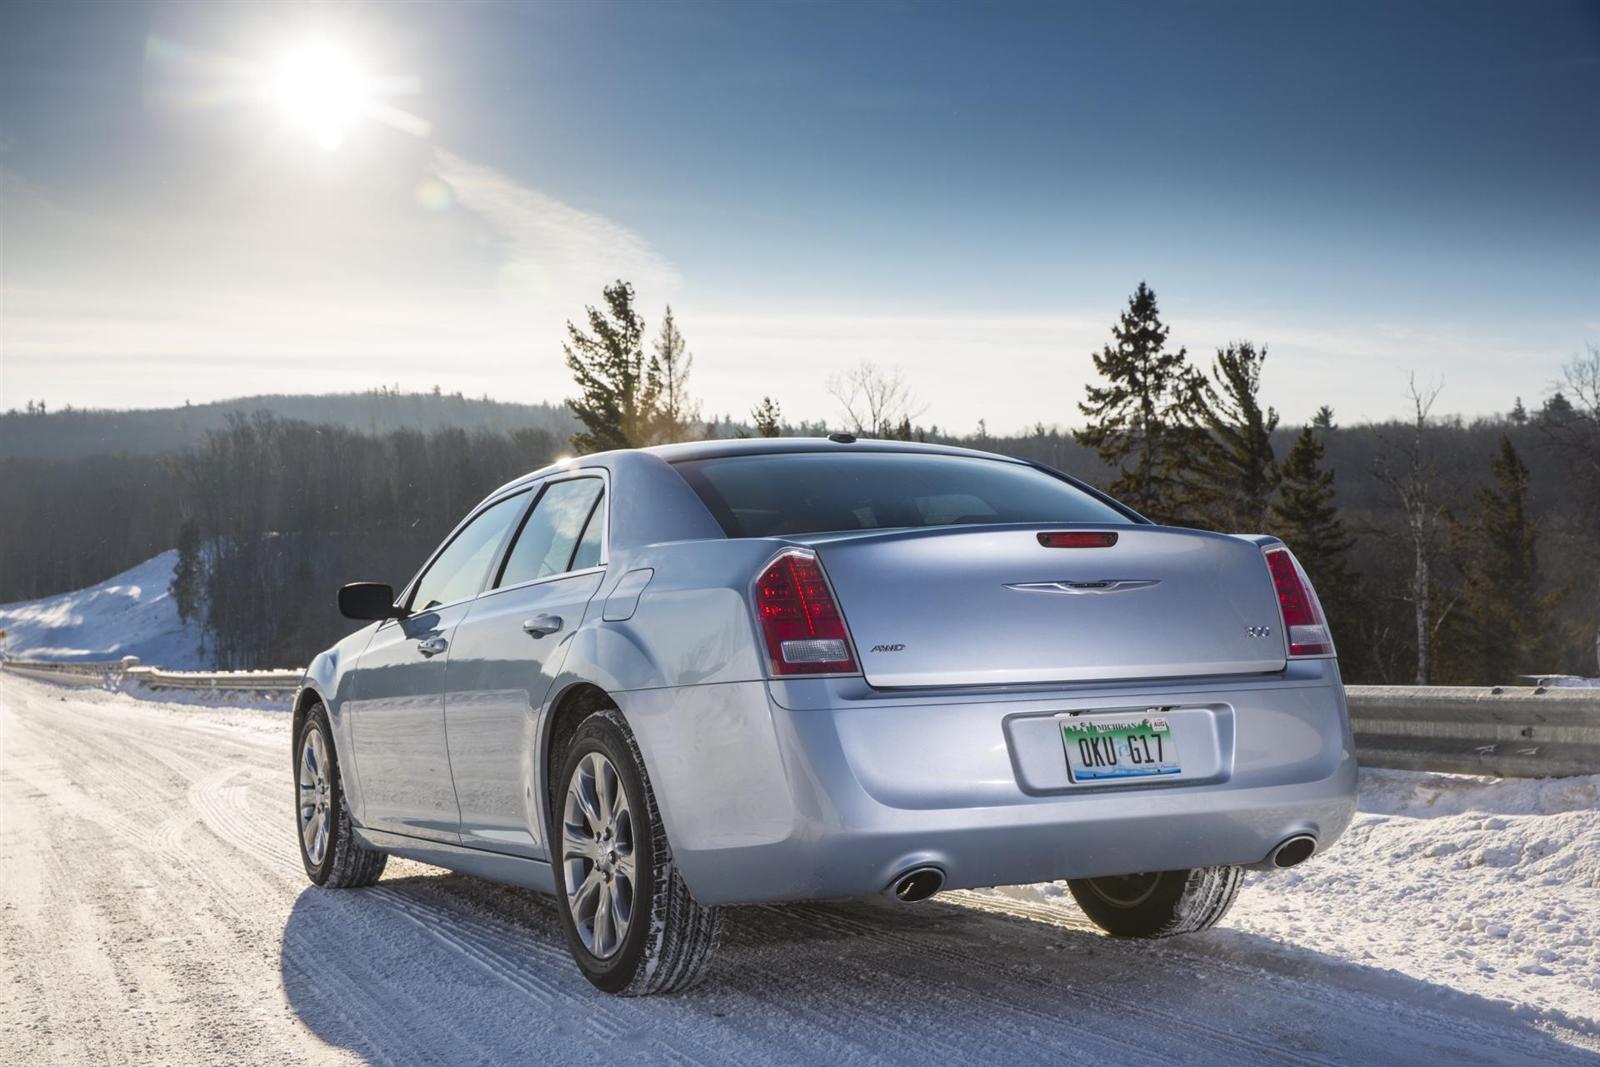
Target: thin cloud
<point>112,309</point>
<point>552,249</point>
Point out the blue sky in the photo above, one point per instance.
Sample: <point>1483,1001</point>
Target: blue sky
<point>968,192</point>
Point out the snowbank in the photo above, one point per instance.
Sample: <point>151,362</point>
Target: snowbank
<point>232,698</point>
<point>1488,886</point>
<point>131,614</point>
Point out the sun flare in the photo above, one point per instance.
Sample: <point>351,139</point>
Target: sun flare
<point>320,92</point>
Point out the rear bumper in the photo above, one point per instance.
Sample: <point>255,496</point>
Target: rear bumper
<point>826,788</point>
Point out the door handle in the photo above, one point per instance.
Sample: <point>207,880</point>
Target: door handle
<point>540,625</point>
<point>432,646</point>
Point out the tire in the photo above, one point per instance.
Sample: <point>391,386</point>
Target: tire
<point>332,856</point>
<point>629,919</point>
<point>1158,904</point>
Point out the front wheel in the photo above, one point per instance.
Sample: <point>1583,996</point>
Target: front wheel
<point>1159,903</point>
<point>332,856</point>
<point>630,922</point>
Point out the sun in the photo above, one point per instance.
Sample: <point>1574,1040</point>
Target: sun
<point>320,91</point>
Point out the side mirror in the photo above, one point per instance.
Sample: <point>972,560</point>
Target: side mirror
<point>369,600</point>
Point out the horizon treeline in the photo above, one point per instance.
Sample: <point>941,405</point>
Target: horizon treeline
<point>1445,551</point>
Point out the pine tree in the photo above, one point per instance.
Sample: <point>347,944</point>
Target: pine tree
<point>186,573</point>
<point>619,403</point>
<point>670,366</point>
<point>1234,474</point>
<point>1306,517</point>
<point>1142,420</point>
<point>1506,617</point>
<point>1558,409</point>
<point>768,418</point>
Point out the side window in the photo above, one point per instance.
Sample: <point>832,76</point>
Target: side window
<point>459,570</point>
<point>588,553</point>
<point>552,531</point>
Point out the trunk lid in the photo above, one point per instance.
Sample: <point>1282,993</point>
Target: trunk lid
<point>992,606</point>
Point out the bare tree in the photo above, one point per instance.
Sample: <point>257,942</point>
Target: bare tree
<point>876,400</point>
<point>678,413</point>
<point>1406,466</point>
<point>1570,421</point>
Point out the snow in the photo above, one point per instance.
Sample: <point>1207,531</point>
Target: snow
<point>131,614</point>
<point>280,700</point>
<point>153,909</point>
<point>1490,886</point>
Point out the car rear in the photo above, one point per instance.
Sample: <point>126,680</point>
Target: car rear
<point>980,669</point>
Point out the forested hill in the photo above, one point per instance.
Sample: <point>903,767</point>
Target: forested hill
<point>76,434</point>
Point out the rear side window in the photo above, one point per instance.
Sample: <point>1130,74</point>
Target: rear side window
<point>554,532</point>
<point>824,492</point>
<point>458,572</point>
<point>588,552</point>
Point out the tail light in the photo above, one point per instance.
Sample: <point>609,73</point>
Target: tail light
<point>1078,539</point>
<point>804,630</point>
<point>1303,622</point>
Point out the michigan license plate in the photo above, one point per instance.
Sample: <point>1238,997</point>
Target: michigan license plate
<point>1135,746</point>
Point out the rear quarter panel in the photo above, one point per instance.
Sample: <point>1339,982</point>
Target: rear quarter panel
<point>692,625</point>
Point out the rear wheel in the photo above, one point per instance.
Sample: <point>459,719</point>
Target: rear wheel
<point>1158,903</point>
<point>630,922</point>
<point>332,856</point>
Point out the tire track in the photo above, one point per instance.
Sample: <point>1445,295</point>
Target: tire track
<point>1463,1028</point>
<point>1154,1020</point>
<point>545,973</point>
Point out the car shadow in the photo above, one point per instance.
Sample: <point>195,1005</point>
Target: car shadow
<point>443,968</point>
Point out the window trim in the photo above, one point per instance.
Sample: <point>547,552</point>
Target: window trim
<point>411,587</point>
<point>493,579</point>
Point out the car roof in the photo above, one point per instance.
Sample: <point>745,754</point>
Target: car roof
<point>748,446</point>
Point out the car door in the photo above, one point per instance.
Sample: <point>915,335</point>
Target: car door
<point>397,705</point>
<point>506,656</point>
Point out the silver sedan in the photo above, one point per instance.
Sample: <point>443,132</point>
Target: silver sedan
<point>659,682</point>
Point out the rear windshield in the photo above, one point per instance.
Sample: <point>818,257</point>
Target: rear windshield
<point>824,492</point>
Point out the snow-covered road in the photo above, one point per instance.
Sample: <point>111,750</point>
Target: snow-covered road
<point>154,911</point>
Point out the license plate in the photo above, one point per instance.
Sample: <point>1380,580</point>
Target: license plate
<point>1135,746</point>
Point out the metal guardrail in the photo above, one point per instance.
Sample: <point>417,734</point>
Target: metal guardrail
<point>1520,732</point>
<point>96,673</point>
<point>117,674</point>
<point>259,682</point>
<point>1515,731</point>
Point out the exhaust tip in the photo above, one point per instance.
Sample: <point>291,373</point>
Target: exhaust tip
<point>919,883</point>
<point>1297,849</point>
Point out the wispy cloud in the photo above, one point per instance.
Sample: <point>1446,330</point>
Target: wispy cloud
<point>118,308</point>
<point>553,250</point>
<point>471,292</point>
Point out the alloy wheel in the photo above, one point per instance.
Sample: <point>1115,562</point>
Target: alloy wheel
<point>1125,890</point>
<point>597,855</point>
<point>315,796</point>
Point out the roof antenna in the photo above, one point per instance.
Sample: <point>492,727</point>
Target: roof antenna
<point>842,438</point>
